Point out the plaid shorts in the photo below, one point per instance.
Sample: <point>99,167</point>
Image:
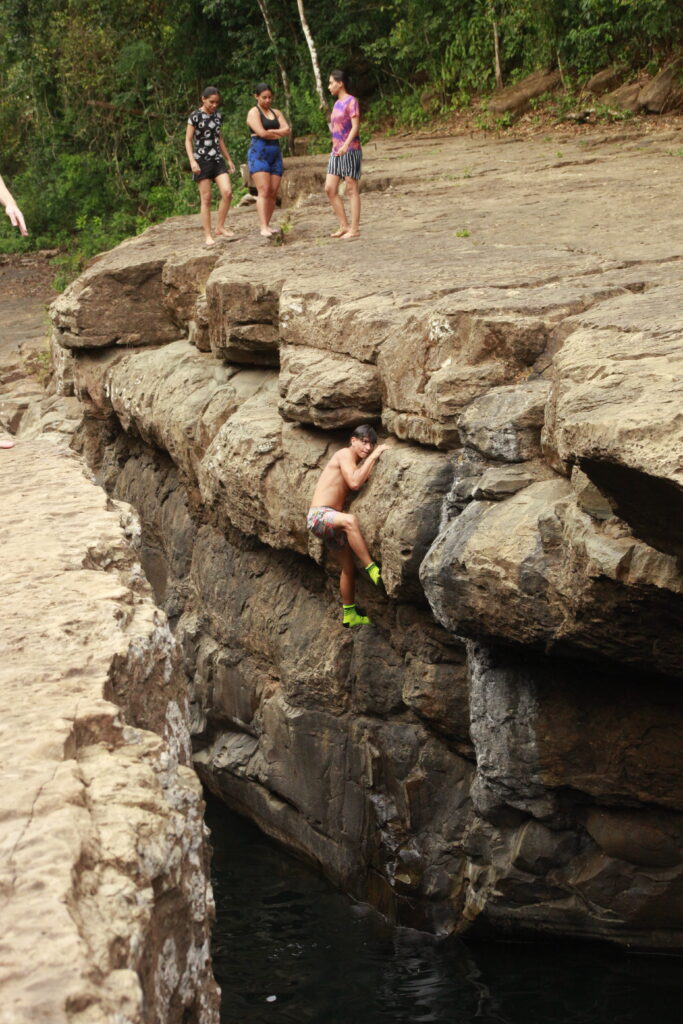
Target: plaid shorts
<point>319,522</point>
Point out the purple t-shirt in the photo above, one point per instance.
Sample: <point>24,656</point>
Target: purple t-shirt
<point>340,123</point>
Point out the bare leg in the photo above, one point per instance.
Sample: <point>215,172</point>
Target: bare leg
<point>275,180</point>
<point>223,182</point>
<point>347,522</point>
<point>336,202</point>
<point>347,579</point>
<point>262,181</point>
<point>205,209</point>
<point>354,202</point>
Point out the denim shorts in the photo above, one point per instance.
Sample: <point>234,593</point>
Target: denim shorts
<point>265,155</point>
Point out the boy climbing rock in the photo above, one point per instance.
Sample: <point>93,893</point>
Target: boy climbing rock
<point>346,471</point>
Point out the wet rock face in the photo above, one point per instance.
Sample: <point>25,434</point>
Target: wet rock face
<point>498,752</point>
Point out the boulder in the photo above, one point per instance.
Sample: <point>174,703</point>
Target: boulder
<point>615,412</point>
<point>177,398</point>
<point>657,95</point>
<point>606,80</point>
<point>515,99</point>
<point>243,318</point>
<point>327,391</point>
<point>625,98</point>
<point>261,474</point>
<point>536,570</point>
<point>120,298</point>
<point>505,424</point>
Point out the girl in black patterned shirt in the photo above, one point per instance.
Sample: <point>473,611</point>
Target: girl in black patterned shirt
<point>208,155</point>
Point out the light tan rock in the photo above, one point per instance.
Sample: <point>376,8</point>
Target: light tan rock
<point>499,482</point>
<point>183,280</point>
<point>615,411</point>
<point>198,329</point>
<point>106,900</point>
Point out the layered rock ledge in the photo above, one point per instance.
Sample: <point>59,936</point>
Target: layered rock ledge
<point>499,752</point>
<point>106,899</point>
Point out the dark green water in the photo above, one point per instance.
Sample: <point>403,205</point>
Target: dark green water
<point>288,949</point>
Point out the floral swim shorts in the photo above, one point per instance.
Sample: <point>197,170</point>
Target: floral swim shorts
<point>319,521</point>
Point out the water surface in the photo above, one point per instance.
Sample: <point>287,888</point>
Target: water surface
<point>289,949</point>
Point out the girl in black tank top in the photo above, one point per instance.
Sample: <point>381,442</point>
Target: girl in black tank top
<point>267,127</point>
<point>269,123</point>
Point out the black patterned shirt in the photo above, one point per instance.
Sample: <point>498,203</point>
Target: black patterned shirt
<point>207,133</point>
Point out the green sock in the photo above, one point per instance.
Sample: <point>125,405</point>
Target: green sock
<point>352,617</point>
<point>373,572</point>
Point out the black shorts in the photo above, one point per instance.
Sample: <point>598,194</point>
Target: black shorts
<point>209,170</point>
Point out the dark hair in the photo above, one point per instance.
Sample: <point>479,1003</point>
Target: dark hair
<point>340,76</point>
<point>210,90</point>
<point>365,432</point>
<point>261,87</point>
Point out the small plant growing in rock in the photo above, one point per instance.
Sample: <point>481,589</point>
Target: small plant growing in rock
<point>462,233</point>
<point>285,226</point>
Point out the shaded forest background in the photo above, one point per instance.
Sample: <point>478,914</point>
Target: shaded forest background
<point>94,94</point>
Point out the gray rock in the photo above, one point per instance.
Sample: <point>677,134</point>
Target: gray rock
<point>505,423</point>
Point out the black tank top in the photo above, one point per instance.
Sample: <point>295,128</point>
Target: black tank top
<point>269,123</point>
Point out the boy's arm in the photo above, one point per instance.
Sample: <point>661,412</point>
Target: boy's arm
<point>355,476</point>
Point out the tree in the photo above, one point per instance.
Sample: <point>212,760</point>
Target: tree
<point>314,56</point>
<point>263,6</point>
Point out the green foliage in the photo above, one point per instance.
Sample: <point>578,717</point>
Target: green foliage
<point>94,94</point>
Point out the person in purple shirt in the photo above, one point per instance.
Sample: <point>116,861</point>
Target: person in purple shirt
<point>346,157</point>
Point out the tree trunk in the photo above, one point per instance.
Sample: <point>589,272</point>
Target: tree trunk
<point>496,47</point>
<point>289,142</point>
<point>314,57</point>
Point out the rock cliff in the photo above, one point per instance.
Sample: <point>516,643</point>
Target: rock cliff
<point>106,899</point>
<point>499,752</point>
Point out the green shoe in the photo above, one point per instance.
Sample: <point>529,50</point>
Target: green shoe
<point>354,617</point>
<point>374,573</point>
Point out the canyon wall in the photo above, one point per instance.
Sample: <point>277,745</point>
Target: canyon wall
<point>499,752</point>
<point>107,904</point>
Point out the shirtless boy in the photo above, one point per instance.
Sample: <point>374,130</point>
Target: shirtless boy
<point>346,471</point>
